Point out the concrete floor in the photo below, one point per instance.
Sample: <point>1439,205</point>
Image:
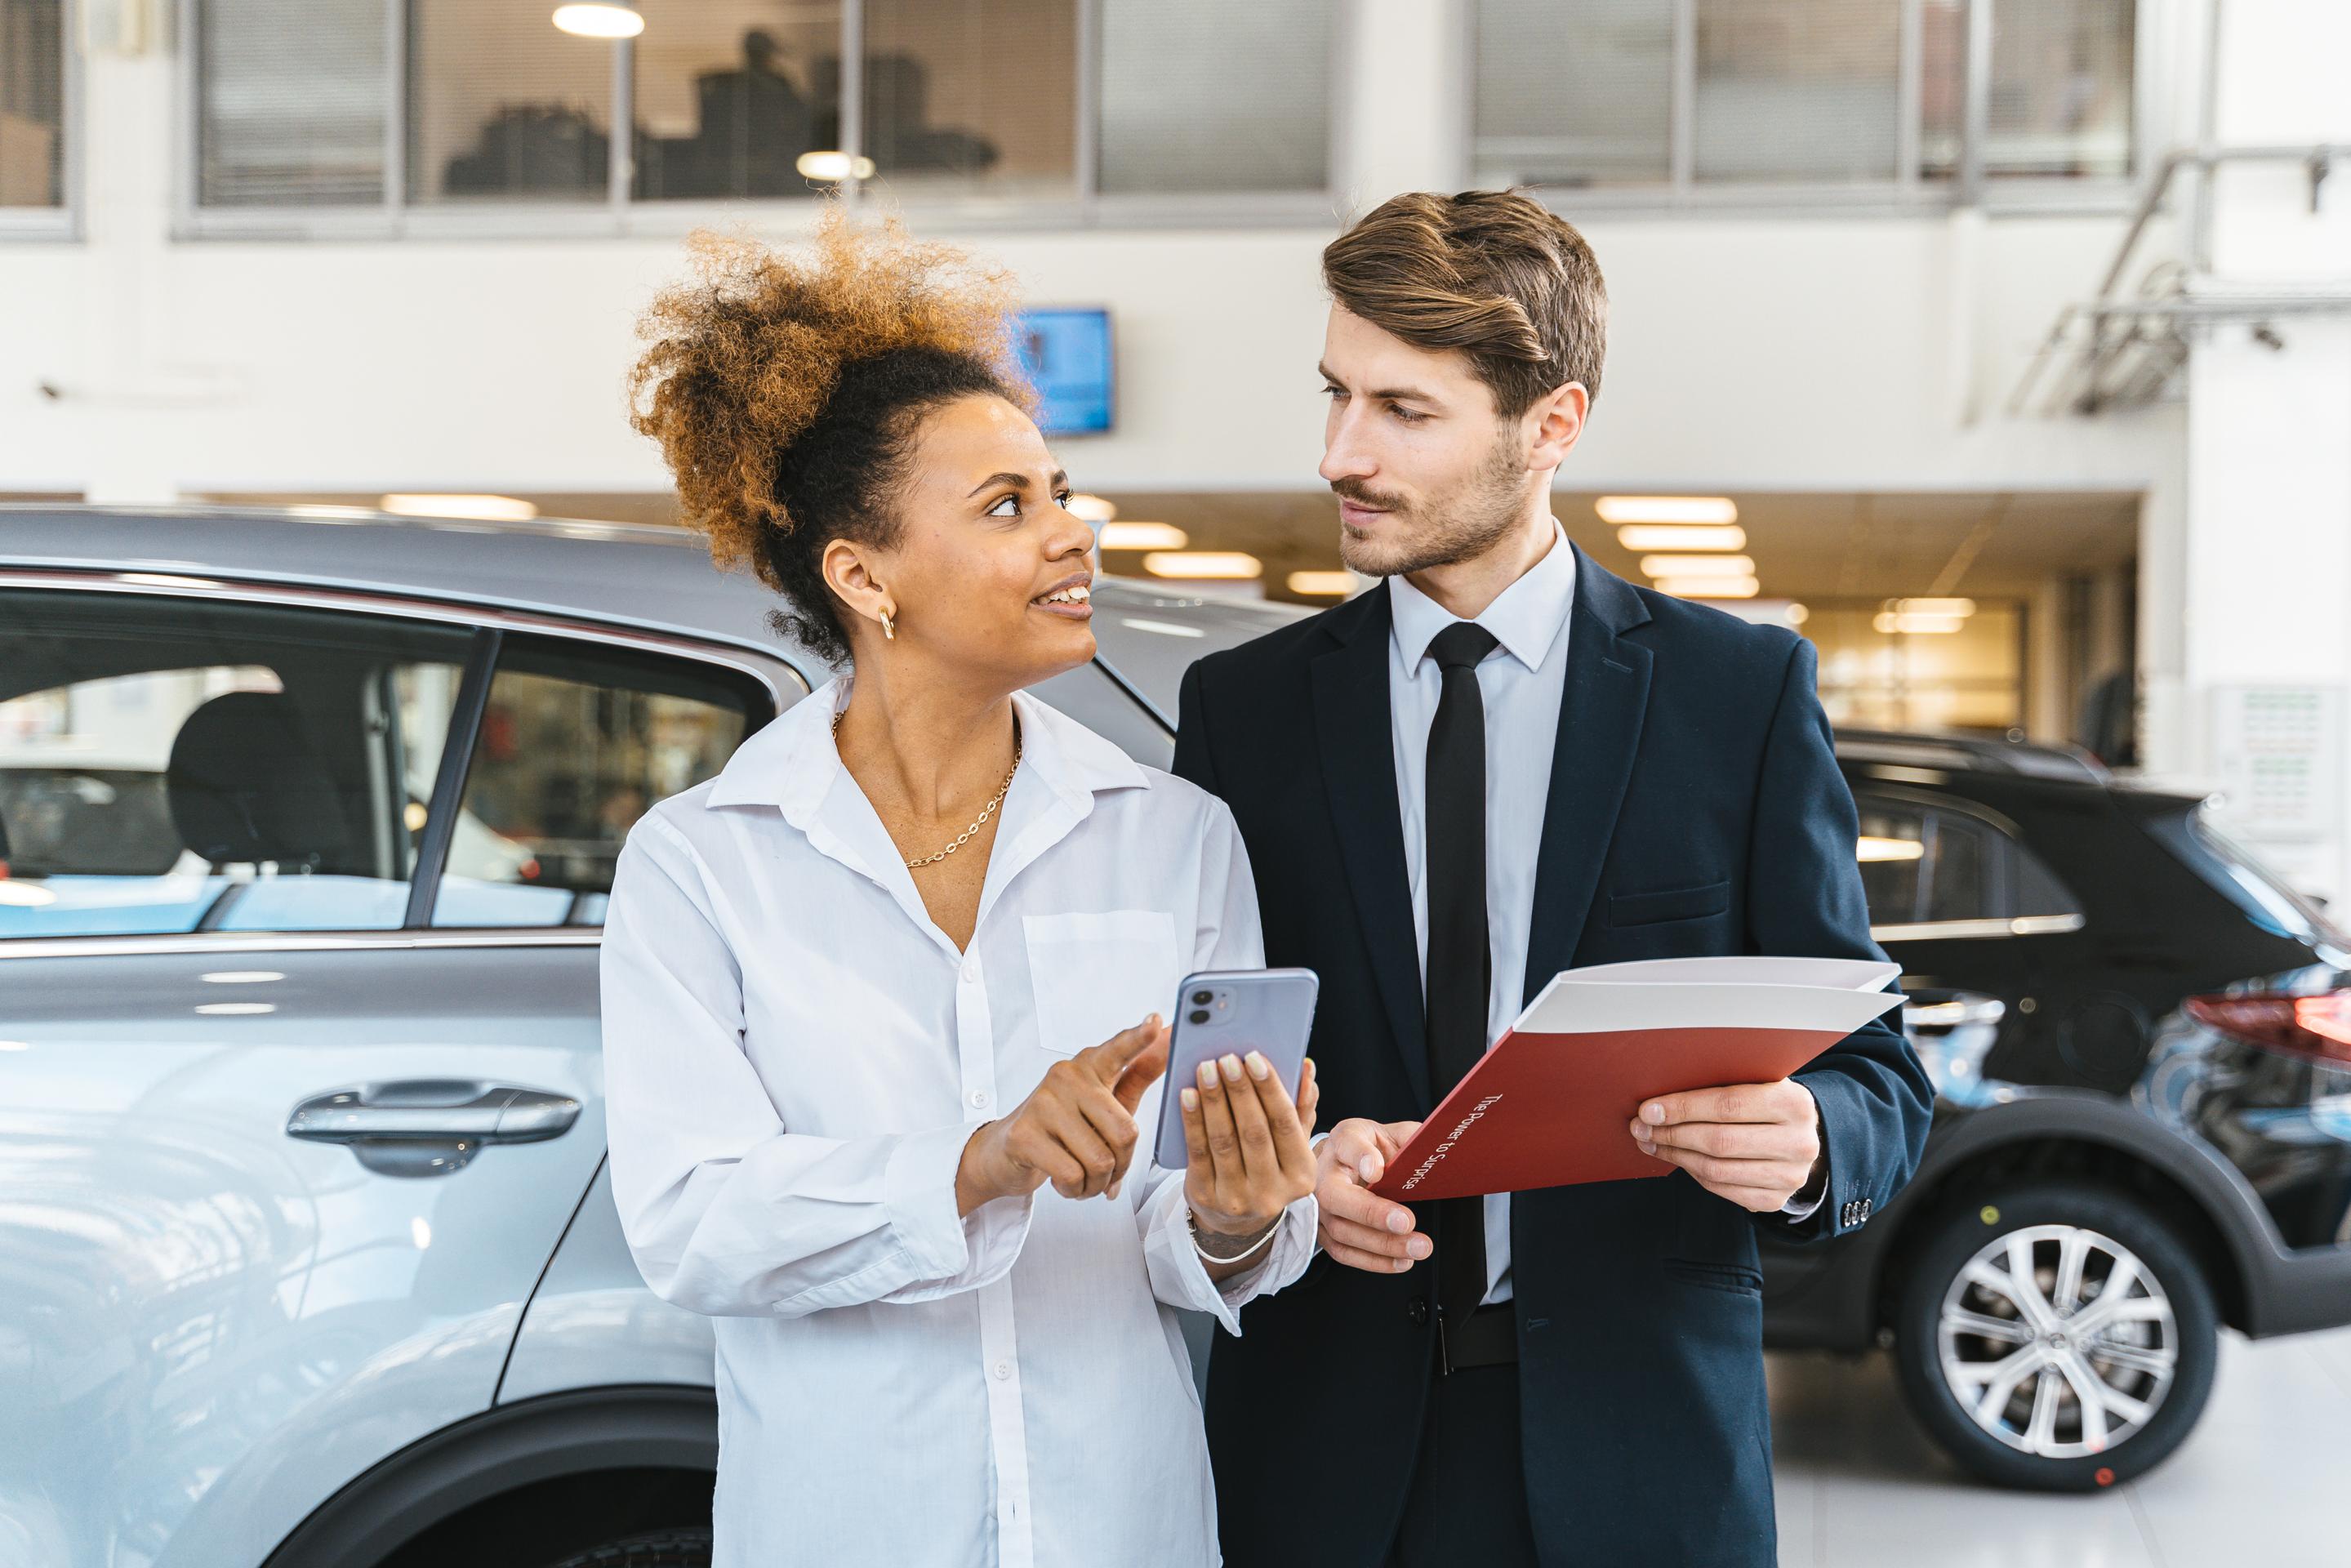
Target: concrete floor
<point>2264,1479</point>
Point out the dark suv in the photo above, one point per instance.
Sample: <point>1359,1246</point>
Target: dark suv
<point>2141,1043</point>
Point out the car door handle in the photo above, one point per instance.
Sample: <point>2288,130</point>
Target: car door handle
<point>430,1126</point>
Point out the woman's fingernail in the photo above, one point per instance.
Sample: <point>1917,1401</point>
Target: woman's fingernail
<point>1232,1066</point>
<point>1207,1075</point>
<point>1258,1066</point>
<point>1417,1248</point>
<point>1370,1166</point>
<point>1113,1190</point>
<point>1191,1099</point>
<point>1399,1222</point>
<point>1399,1264</point>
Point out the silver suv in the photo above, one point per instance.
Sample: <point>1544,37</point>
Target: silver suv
<point>307,825</point>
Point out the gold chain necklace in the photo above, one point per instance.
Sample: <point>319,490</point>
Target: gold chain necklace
<point>984,811</point>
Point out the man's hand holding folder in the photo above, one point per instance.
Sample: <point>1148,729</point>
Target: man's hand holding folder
<point>1616,1071</point>
<point>1758,1145</point>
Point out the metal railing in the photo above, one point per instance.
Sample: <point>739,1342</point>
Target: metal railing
<point>2142,336</point>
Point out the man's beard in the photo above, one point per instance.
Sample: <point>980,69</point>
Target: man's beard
<point>1487,507</point>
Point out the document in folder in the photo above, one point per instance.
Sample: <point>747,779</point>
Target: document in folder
<point>1553,1102</point>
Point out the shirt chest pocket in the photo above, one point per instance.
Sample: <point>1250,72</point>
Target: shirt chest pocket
<point>1094,975</point>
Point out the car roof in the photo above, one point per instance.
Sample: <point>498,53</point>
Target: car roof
<point>1972,754</point>
<point>630,574</point>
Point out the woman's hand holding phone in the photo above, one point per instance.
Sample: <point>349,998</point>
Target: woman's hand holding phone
<point>1076,1129</point>
<point>1247,1153</point>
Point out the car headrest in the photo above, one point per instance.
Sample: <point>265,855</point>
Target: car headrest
<point>245,784</point>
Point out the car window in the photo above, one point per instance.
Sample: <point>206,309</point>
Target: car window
<point>170,765</point>
<point>576,742</point>
<point>1924,864</point>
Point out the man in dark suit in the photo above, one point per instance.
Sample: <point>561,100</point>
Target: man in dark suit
<point>1500,762</point>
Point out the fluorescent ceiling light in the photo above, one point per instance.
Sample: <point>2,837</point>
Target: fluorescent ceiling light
<point>832,166</point>
<point>1893,623</point>
<point>1090,509</point>
<point>1959,608</point>
<point>1698,565</point>
<point>1322,584</point>
<point>1144,536</point>
<point>487,509</point>
<point>1666,509</point>
<point>1682,535</point>
<point>1708,587</point>
<point>1202,563</point>
<point>1871,848</point>
<point>599,19</point>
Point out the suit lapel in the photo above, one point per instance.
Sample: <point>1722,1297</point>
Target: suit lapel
<point>1600,714</point>
<point>1353,731</point>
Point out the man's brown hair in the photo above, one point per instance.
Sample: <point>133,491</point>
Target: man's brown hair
<point>1494,274</point>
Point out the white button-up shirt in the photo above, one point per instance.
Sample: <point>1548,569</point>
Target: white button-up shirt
<point>796,1056</point>
<point>1521,684</point>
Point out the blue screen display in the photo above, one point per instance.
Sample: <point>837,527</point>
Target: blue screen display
<point>1068,358</point>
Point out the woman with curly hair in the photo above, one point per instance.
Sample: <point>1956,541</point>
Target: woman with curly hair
<point>881,999</point>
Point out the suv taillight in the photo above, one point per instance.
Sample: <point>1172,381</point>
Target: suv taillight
<point>2315,1027</point>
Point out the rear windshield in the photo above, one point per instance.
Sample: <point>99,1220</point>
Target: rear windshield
<point>2239,876</point>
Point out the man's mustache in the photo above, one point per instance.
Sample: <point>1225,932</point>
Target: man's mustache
<point>1355,490</point>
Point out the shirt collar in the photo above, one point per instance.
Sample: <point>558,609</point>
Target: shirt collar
<point>1525,618</point>
<point>792,764</point>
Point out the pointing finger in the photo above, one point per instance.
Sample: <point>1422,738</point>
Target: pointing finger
<point>1111,1058</point>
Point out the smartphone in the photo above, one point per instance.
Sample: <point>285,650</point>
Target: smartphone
<point>1224,1012</point>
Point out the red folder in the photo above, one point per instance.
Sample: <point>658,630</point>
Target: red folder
<point>1552,1102</point>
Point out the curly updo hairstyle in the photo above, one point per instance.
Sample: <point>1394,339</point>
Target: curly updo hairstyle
<point>786,391</point>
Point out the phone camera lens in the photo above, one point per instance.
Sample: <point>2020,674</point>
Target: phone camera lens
<point>1200,1015</point>
<point>1201,999</point>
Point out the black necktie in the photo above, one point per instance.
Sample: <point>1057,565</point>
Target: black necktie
<point>1460,964</point>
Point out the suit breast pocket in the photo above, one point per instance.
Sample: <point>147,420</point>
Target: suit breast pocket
<point>1670,904</point>
<point>1094,975</point>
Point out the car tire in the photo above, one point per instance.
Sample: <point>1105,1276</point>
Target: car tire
<point>1996,1372</point>
<point>662,1549</point>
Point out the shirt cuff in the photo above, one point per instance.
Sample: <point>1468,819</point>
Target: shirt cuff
<point>950,1251</point>
<point>1800,1207</point>
<point>1285,1258</point>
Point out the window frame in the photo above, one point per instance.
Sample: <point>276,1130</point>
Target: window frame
<point>64,221</point>
<point>1908,193</point>
<point>2011,848</point>
<point>488,624</point>
<point>617,216</point>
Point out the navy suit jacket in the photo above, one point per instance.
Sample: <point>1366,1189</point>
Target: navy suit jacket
<point>1694,807</point>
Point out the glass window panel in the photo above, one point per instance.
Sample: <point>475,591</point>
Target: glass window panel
<point>1796,89</point>
<point>1892,849</point>
<point>1217,95</point>
<point>32,103</point>
<point>2061,87</point>
<point>2060,99</point>
<point>1575,92</point>
<point>972,97</point>
<point>575,745</point>
<point>292,101</point>
<point>730,94</point>
<point>1965,871</point>
<point>176,764</point>
<point>504,106</point>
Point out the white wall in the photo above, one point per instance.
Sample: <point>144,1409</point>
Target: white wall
<point>2264,538</point>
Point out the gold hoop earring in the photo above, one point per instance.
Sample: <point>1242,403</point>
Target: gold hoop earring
<point>889,627</point>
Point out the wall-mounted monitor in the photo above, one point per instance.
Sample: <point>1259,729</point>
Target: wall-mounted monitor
<point>1067,353</point>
